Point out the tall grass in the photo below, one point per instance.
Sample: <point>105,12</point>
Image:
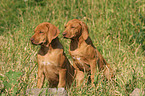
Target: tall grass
<point>117,29</point>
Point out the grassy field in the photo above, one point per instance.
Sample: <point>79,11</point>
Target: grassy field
<point>116,27</point>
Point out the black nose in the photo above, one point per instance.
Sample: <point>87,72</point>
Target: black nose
<point>31,39</point>
<point>64,33</point>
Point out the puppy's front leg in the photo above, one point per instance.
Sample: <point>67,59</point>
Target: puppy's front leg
<point>93,70</point>
<point>62,78</point>
<point>79,77</point>
<point>41,77</point>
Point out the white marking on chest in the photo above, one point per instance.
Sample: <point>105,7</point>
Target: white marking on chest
<point>46,63</point>
<point>79,58</point>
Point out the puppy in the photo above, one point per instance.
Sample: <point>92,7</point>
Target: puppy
<point>52,61</point>
<point>84,54</point>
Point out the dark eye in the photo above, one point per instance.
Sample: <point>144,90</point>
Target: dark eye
<point>72,27</point>
<point>40,32</point>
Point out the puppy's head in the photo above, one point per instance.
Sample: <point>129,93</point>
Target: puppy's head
<point>75,28</point>
<point>44,34</point>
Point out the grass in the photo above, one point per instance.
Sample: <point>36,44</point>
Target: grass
<point>117,29</point>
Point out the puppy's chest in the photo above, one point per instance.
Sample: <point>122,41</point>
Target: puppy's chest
<point>47,63</point>
<point>48,60</point>
<point>79,57</point>
<point>84,54</point>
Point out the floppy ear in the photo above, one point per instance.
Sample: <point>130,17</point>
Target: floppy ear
<point>85,32</point>
<point>52,32</point>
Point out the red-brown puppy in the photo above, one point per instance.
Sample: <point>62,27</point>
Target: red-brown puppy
<point>85,56</point>
<point>52,62</point>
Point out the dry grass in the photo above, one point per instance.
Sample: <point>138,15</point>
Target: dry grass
<point>116,28</point>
